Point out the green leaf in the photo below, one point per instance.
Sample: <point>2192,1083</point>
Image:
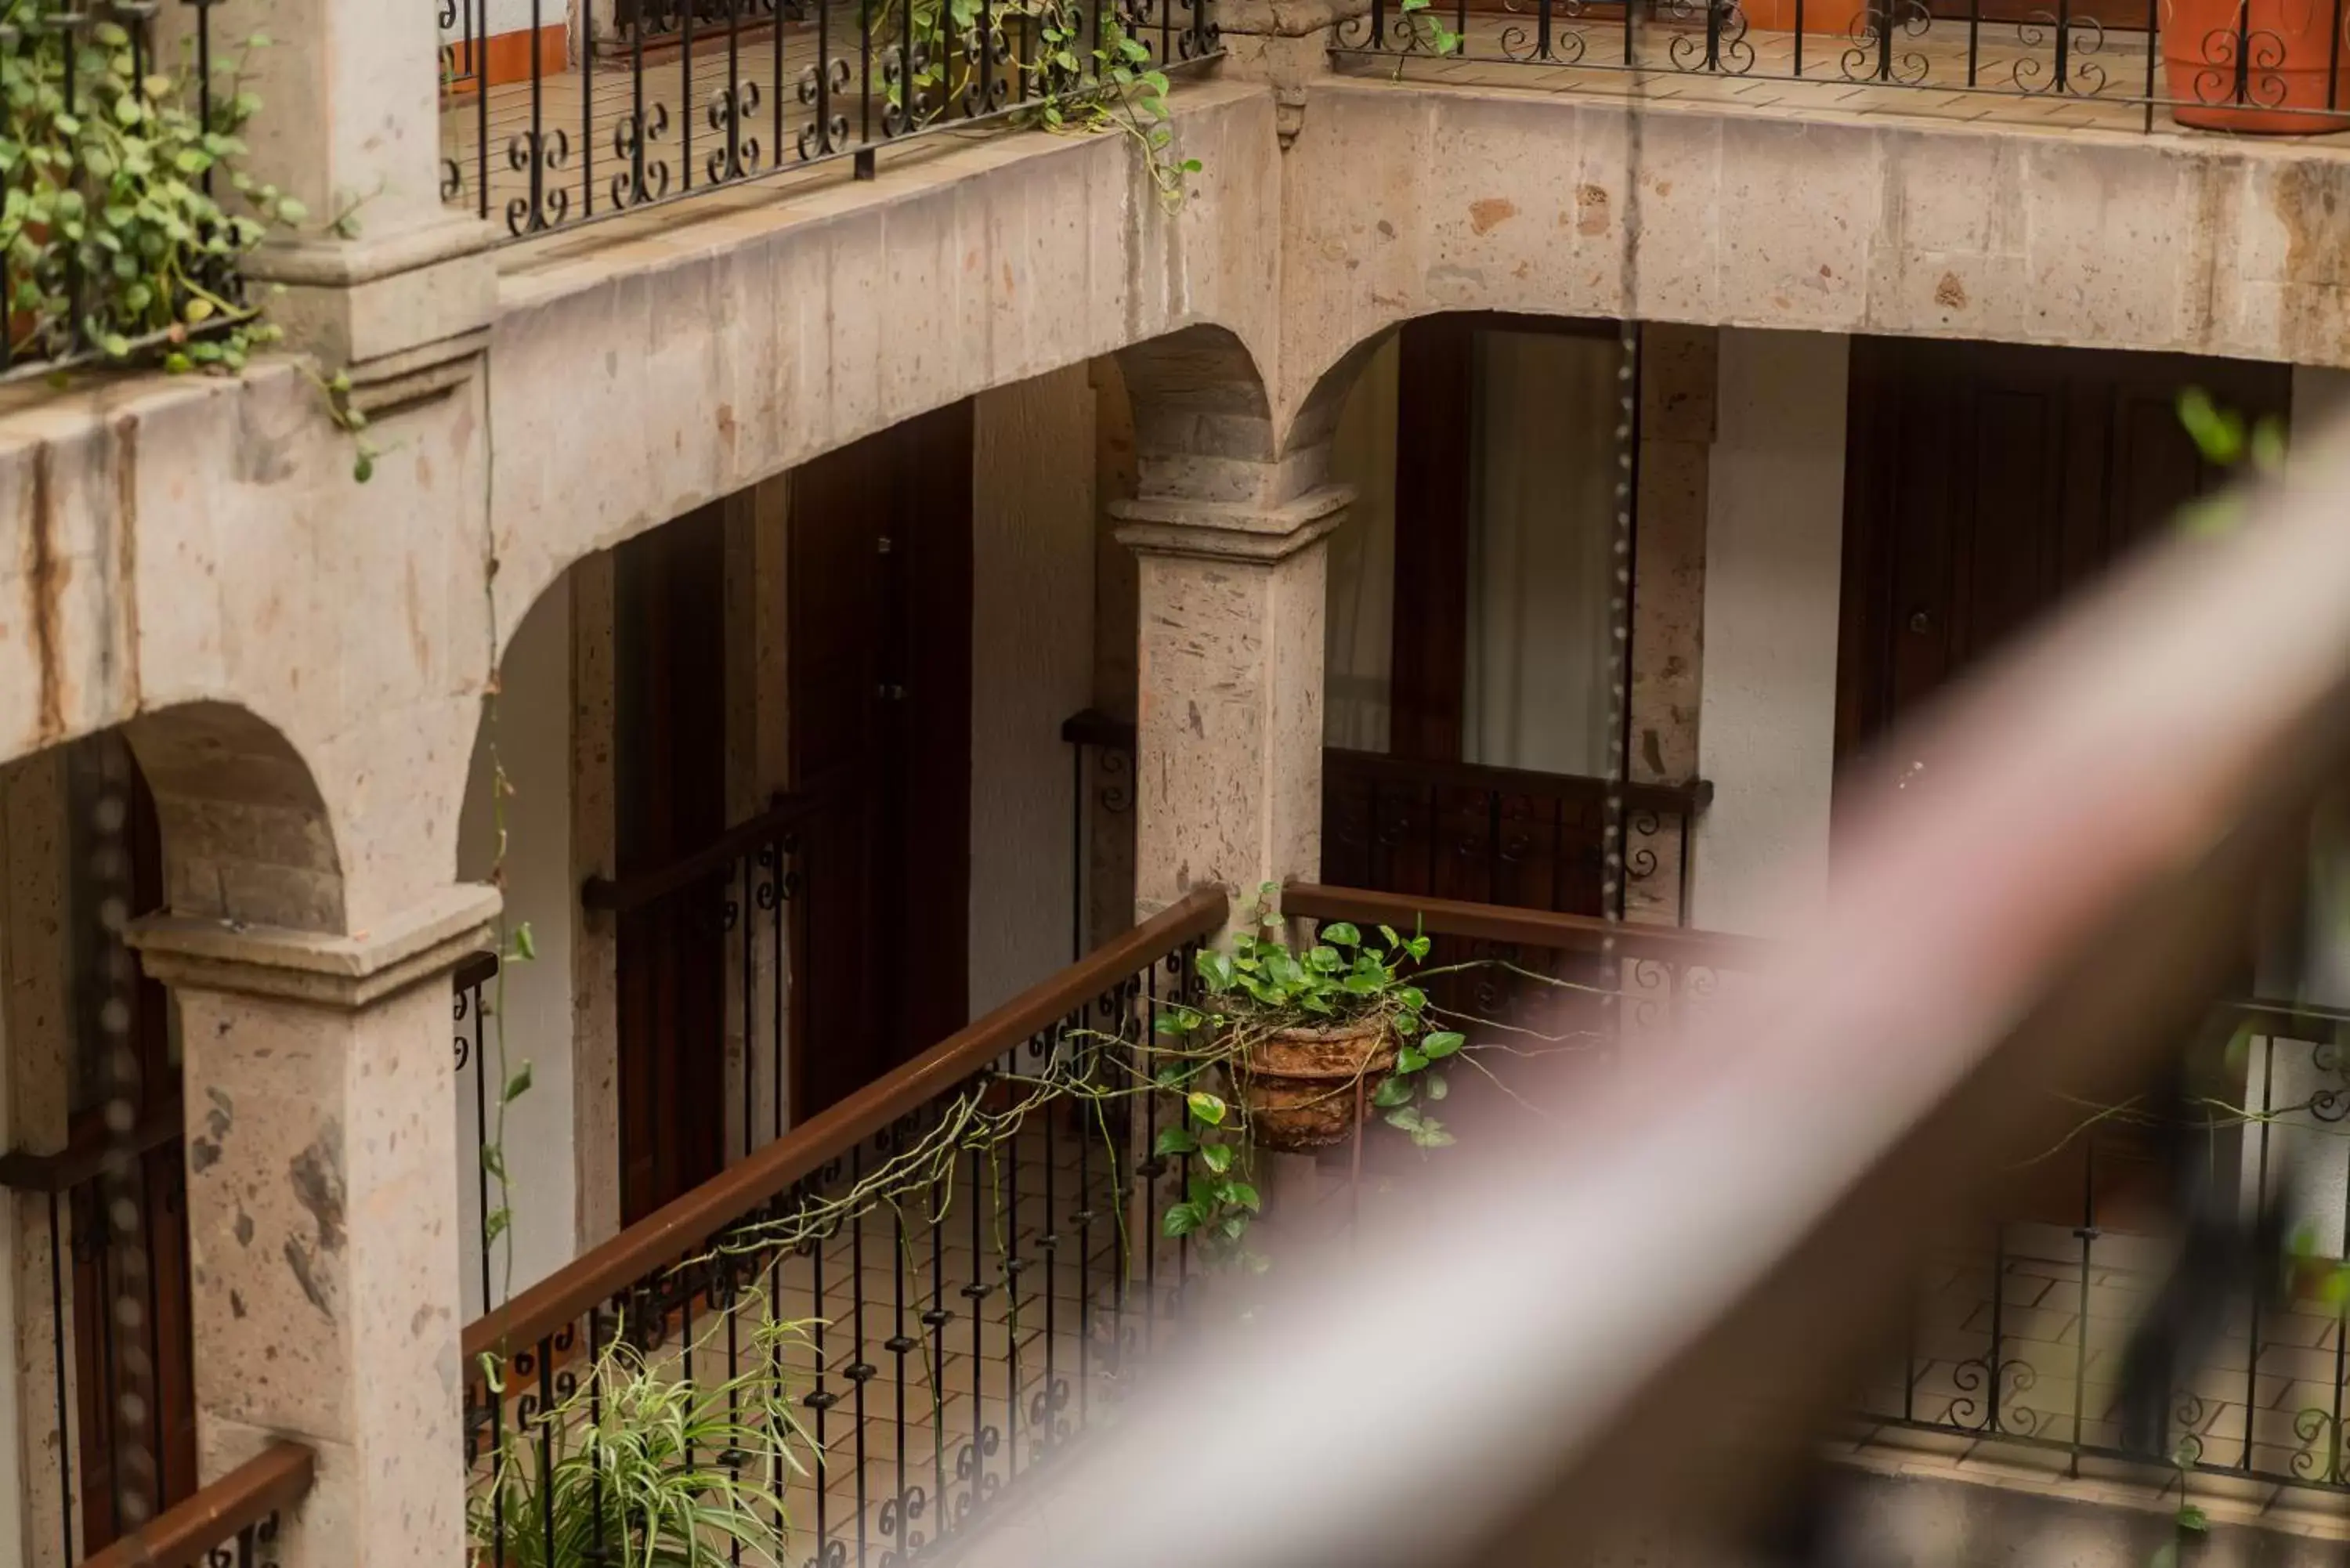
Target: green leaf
<point>524,947</point>
<point>1405,1117</point>
<point>1216,1157</point>
<point>1410,1059</point>
<point>2218,433</point>
<point>1240,1195</point>
<point>1394,1092</point>
<point>1435,1085</point>
<point>1181,1219</point>
<point>2192,1517</point>
<point>1443,1043</point>
<point>518,1085</point>
<point>1206,1108</point>
<point>1340,934</point>
<point>1174,1141</point>
<point>494,1160</point>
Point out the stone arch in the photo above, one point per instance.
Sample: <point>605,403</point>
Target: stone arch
<point>247,837</point>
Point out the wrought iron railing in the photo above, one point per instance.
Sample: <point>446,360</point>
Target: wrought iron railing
<point>886,1315</point>
<point>2272,66</point>
<point>546,125</point>
<point>233,1524</point>
<point>2025,1319</point>
<point>1501,835</point>
<point>82,1490</point>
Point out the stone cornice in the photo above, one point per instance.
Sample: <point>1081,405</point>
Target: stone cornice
<point>1223,530</point>
<point>342,971</point>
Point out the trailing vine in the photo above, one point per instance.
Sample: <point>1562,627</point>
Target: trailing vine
<point>112,232</point>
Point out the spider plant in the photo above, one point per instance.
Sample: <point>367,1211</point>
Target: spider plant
<point>643,1468</point>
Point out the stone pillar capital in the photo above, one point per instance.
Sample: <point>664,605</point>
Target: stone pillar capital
<point>346,972</point>
<point>1223,530</point>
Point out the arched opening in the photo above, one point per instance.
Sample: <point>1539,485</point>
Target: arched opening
<point>202,810</point>
<point>787,806</point>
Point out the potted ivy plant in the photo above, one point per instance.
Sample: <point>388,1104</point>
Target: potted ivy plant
<point>1310,1037</point>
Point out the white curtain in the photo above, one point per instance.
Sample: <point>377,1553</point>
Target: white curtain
<point>1543,510</point>
<point>1542,517</point>
<point>1359,629</point>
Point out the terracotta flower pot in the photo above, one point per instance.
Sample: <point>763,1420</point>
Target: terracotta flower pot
<point>1831,22</point>
<point>2255,66</point>
<point>1300,1084</point>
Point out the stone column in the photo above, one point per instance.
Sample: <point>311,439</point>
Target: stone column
<point>323,1216</point>
<point>382,278</point>
<point>1228,744</point>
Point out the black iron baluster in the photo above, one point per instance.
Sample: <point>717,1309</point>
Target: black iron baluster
<point>936,1319</point>
<point>2333,58</point>
<point>2244,53</point>
<point>2260,1206</point>
<point>1151,1165</point>
<point>975,1291</point>
<point>1974,39</point>
<point>2088,1235</point>
<point>859,1371</point>
<point>750,901</point>
<point>537,122</point>
<point>1087,1056</point>
<point>1008,1218</point>
<point>1685,844</point>
<point>587,116</point>
<point>734,172</point>
<point>2153,55</point>
<point>481,1134</point>
<point>819,1399</point>
<point>642,129</point>
<point>546,1408</point>
<point>2063,71</point>
<point>1049,1244</point>
<point>595,1419</point>
<point>1997,1319</point>
<point>777,50</point>
<point>899,1344</point>
<point>685,83</point>
<point>2341,1352</point>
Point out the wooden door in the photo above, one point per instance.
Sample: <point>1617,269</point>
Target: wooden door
<point>109,1360</point>
<point>670,630</point>
<point>880,575</point>
<point>1985,482</point>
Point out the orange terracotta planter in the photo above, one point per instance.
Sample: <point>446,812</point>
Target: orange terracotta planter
<point>1822,19</point>
<point>2263,68</point>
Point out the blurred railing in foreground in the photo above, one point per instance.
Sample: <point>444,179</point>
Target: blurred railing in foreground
<point>1650,1306</point>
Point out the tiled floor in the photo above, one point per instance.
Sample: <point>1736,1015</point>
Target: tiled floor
<point>1940,69</point>
<point>2053,1314</point>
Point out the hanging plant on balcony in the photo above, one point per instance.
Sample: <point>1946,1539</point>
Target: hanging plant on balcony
<point>1310,1040</point>
<point>113,238</point>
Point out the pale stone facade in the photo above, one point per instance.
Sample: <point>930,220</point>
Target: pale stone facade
<point>299,662</point>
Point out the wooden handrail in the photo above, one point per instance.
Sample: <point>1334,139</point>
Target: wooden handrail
<point>619,895</point>
<point>1092,727</point>
<point>475,971</point>
<point>685,1223</point>
<point>184,1534</point>
<point>86,1156</point>
<point>1526,928</point>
